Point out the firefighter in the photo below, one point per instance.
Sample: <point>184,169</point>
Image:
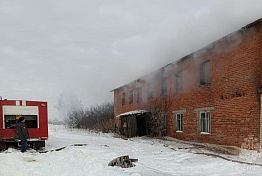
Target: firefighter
<point>22,133</point>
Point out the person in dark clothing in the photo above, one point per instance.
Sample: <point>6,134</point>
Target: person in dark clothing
<point>22,133</point>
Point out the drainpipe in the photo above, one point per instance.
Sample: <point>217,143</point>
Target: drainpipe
<point>260,92</point>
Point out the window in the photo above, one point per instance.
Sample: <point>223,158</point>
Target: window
<point>131,96</point>
<point>178,81</point>
<point>164,123</point>
<point>139,95</point>
<point>30,120</point>
<point>10,121</point>
<point>205,73</point>
<point>123,99</point>
<point>163,87</point>
<point>205,119</point>
<point>179,122</point>
<point>163,82</point>
<point>150,94</point>
<point>164,115</point>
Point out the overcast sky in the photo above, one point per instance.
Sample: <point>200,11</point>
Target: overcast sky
<point>78,50</point>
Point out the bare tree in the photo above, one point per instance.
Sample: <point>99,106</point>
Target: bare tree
<point>98,118</point>
<point>74,118</point>
<point>159,107</point>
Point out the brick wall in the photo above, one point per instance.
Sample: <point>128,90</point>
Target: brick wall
<point>236,76</point>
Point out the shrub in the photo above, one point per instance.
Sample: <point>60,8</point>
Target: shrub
<point>98,118</point>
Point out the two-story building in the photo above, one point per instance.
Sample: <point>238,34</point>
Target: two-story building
<point>214,93</point>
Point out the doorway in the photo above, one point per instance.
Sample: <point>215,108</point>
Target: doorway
<point>141,125</point>
<point>135,125</point>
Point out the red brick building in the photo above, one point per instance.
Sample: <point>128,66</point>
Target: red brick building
<point>216,91</point>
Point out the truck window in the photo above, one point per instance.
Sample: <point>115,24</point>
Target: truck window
<point>10,121</point>
<point>30,120</point>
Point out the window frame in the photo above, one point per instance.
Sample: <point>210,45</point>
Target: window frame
<point>149,92</point>
<point>164,116</point>
<point>13,119</point>
<point>178,81</point>
<point>163,87</point>
<point>205,73</point>
<point>206,121</point>
<point>131,97</point>
<point>139,98</point>
<point>150,95</point>
<point>123,98</point>
<point>179,126</point>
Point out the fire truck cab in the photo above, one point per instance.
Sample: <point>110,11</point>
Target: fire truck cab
<point>35,114</point>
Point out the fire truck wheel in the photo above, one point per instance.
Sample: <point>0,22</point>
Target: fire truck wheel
<point>3,146</point>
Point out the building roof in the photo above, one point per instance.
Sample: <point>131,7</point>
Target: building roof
<point>243,29</point>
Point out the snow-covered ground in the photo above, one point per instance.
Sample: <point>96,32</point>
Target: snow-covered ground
<point>154,159</point>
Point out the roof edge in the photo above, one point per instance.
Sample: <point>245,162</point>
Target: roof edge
<point>250,25</point>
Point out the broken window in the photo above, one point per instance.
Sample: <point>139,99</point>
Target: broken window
<point>150,94</point>
<point>123,98</point>
<point>205,120</point>
<point>139,95</point>
<point>163,82</point>
<point>131,93</point>
<point>179,122</point>
<point>163,87</point>
<point>205,73</point>
<point>178,81</point>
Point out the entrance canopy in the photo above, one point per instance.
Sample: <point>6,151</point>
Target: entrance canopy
<point>134,123</point>
<point>136,112</point>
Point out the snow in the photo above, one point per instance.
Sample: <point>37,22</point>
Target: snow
<point>133,112</point>
<point>154,159</point>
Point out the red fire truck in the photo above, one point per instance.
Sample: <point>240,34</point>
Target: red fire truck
<point>35,114</point>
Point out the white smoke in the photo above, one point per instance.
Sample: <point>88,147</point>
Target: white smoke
<point>94,46</point>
